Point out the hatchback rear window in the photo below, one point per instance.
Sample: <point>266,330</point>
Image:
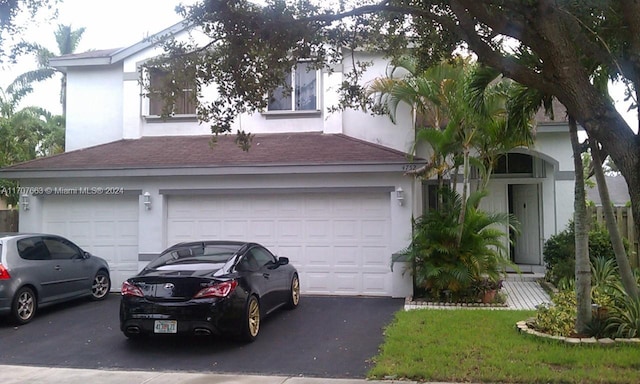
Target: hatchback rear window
<point>216,254</point>
<point>33,248</point>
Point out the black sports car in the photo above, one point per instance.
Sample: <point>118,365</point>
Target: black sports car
<point>209,287</point>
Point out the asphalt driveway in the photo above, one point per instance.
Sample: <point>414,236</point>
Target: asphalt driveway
<point>324,337</point>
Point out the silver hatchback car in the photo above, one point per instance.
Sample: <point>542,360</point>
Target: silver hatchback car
<point>37,270</point>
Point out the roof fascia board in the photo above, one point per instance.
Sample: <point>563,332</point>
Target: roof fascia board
<point>121,54</point>
<point>208,171</point>
<point>81,62</point>
<point>148,42</point>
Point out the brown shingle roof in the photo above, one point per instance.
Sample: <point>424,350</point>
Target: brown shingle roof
<point>196,151</point>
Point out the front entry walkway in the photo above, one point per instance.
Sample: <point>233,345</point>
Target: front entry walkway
<point>523,292</point>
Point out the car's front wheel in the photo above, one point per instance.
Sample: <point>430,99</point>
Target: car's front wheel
<point>251,326</point>
<point>24,306</point>
<point>100,286</point>
<point>294,293</point>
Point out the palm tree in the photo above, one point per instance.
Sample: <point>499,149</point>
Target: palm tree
<point>524,103</point>
<point>441,263</point>
<point>430,94</point>
<point>67,40</point>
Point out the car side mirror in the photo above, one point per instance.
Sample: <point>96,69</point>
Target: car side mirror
<point>86,255</point>
<point>283,260</point>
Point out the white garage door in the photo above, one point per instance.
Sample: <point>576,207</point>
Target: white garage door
<point>106,226</point>
<point>339,242</point>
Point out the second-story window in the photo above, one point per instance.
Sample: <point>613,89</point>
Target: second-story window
<point>300,92</point>
<point>179,102</point>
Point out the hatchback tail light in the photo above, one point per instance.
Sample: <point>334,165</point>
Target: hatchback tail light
<point>4,273</point>
<point>129,289</point>
<point>219,290</point>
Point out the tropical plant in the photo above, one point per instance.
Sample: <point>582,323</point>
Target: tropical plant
<point>67,40</point>
<point>431,94</point>
<point>441,264</point>
<point>26,133</point>
<point>624,318</point>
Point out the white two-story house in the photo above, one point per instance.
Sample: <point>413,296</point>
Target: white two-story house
<point>327,190</point>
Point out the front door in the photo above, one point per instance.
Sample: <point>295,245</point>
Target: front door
<point>526,208</point>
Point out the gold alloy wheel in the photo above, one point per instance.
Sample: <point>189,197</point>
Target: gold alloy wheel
<point>295,291</point>
<point>254,317</point>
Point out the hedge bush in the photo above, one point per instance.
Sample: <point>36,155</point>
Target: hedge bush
<point>559,251</point>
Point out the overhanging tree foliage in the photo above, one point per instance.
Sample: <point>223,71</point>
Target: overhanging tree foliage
<point>10,27</point>
<point>551,45</point>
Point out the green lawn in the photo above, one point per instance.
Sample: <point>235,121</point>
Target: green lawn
<point>484,346</point>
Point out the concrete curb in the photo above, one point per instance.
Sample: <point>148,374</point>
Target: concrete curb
<point>16,374</point>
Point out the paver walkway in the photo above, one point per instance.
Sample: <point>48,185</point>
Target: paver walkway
<point>523,292</point>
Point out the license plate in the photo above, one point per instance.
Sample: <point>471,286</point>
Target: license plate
<point>165,326</point>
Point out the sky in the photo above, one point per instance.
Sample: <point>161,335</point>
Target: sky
<point>108,23</point>
<point>120,23</point>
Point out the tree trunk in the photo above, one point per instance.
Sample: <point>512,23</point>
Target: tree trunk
<point>583,265</point>
<point>624,267</point>
<point>465,187</point>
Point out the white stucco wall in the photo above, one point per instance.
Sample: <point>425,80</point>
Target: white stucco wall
<point>557,146</point>
<point>94,106</point>
<point>105,104</point>
<point>378,129</point>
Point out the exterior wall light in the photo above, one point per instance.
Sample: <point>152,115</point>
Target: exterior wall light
<point>24,201</point>
<point>147,201</point>
<point>400,195</point>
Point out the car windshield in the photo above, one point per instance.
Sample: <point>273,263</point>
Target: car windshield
<point>196,254</point>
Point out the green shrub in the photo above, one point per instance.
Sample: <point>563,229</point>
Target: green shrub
<point>559,251</point>
<point>614,313</point>
<point>559,318</point>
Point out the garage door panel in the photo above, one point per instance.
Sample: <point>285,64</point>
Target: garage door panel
<point>337,240</point>
<point>375,283</point>
<point>347,283</point>
<point>347,256</point>
<point>79,230</point>
<point>106,226</point>
<point>345,209</point>
<point>318,207</point>
<point>291,231</point>
<point>236,208</point>
<point>317,256</point>
<point>376,257</point>
<point>346,230</point>
<point>375,231</point>
<point>235,229</point>
<point>318,230</point>
<point>263,229</point>
<point>315,283</point>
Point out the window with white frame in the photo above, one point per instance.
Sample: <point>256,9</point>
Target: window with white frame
<point>300,92</point>
<point>181,102</point>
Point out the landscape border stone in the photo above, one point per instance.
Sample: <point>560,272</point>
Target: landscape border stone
<point>523,327</point>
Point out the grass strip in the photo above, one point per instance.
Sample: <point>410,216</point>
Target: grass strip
<point>484,346</point>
